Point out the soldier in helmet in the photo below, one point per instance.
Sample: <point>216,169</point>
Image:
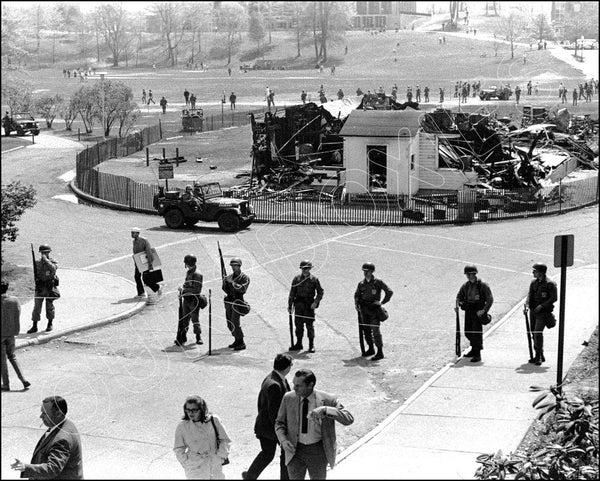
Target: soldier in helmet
<point>475,298</point>
<point>235,286</point>
<point>190,307</point>
<point>541,299</point>
<point>45,288</point>
<point>367,299</point>
<point>141,244</point>
<point>305,295</point>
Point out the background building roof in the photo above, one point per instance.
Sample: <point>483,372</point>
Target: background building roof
<point>381,123</point>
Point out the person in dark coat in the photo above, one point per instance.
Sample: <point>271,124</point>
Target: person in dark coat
<point>190,302</point>
<point>475,298</point>
<point>57,454</point>
<point>45,289</point>
<point>235,286</point>
<point>272,390</point>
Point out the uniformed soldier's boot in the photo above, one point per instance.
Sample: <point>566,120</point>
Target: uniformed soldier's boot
<point>541,358</point>
<point>370,351</point>
<point>298,346</point>
<point>49,326</point>
<point>379,354</point>
<point>535,359</point>
<point>311,345</point>
<point>33,328</point>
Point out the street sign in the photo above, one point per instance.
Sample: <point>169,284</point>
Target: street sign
<point>563,250</point>
<point>165,171</point>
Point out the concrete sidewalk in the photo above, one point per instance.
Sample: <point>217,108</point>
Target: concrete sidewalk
<point>88,299</point>
<point>467,409</point>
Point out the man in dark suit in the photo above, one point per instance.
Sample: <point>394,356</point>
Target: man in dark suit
<point>58,453</point>
<point>305,427</point>
<point>273,387</point>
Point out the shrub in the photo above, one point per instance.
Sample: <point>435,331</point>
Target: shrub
<point>16,199</point>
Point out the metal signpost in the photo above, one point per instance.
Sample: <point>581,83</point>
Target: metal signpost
<point>563,258</point>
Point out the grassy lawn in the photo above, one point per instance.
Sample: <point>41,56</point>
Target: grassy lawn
<point>14,142</point>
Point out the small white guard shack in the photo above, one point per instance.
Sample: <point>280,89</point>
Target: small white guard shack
<point>387,151</point>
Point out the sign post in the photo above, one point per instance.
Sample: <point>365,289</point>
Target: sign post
<point>563,258</point>
<point>165,171</point>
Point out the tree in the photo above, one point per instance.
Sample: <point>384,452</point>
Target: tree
<point>16,199</point>
<point>11,33</point>
<point>49,106</point>
<point>111,21</point>
<point>540,28</point>
<point>511,27</point>
<point>328,24</point>
<point>118,104</point>
<point>301,17</point>
<point>55,21</point>
<point>453,15</point>
<point>230,20</point>
<point>17,95</point>
<point>256,28</point>
<point>68,113</point>
<point>578,24</point>
<point>83,103</point>
<point>172,17</point>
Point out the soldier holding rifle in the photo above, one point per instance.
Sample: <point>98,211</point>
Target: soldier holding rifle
<point>235,286</point>
<point>46,282</point>
<point>541,299</point>
<point>367,299</point>
<point>305,295</point>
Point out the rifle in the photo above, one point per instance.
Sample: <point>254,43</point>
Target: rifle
<point>457,343</point>
<point>528,327</point>
<point>291,332</point>
<point>361,332</point>
<point>35,272</point>
<point>223,270</point>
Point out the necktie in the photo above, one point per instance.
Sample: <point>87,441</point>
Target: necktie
<point>305,415</point>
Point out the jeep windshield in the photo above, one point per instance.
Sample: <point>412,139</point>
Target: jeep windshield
<point>22,116</point>
<point>211,190</point>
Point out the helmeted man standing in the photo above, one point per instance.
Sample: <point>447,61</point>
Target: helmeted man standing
<point>190,306</point>
<point>305,296</point>
<point>45,288</point>
<point>541,299</point>
<point>367,299</point>
<point>235,286</point>
<point>475,298</point>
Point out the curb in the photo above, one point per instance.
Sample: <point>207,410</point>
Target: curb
<point>391,417</point>
<point>44,338</point>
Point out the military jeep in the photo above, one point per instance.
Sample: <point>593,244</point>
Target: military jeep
<point>493,92</point>
<point>207,204</point>
<point>22,123</point>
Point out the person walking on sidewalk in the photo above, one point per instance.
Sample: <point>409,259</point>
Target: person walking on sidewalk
<point>189,293</point>
<point>305,427</point>
<point>272,390</point>
<point>150,97</point>
<point>235,286</point>
<point>201,442</point>
<point>46,283</point>
<point>141,244</point>
<point>163,105</point>
<point>541,299</point>
<point>475,298</point>
<point>11,314</point>
<point>367,300</point>
<point>57,454</point>
<point>305,296</point>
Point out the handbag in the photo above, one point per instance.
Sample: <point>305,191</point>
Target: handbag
<point>550,320</point>
<point>382,314</point>
<point>226,460</point>
<point>485,319</point>
<point>241,307</point>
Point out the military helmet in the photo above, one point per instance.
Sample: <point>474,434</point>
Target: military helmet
<point>190,260</point>
<point>368,266</point>
<point>45,248</point>
<point>540,267</point>
<point>235,260</point>
<point>305,263</point>
<point>188,187</point>
<point>470,269</point>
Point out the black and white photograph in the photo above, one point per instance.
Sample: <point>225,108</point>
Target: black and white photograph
<point>299,240</point>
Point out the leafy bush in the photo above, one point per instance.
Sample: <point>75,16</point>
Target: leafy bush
<point>571,451</point>
<point>16,199</point>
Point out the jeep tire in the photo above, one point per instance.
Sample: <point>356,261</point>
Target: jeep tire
<point>174,218</point>
<point>229,222</point>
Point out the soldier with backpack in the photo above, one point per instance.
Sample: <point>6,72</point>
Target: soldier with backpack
<point>475,298</point>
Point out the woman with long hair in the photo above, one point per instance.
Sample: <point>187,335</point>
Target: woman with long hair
<point>201,443</point>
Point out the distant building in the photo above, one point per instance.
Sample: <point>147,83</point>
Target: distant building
<point>386,14</point>
<point>562,10</point>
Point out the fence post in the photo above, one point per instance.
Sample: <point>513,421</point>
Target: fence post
<point>147,157</point>
<point>164,153</point>
<point>78,134</point>
<point>560,196</point>
<point>159,128</point>
<point>177,156</point>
